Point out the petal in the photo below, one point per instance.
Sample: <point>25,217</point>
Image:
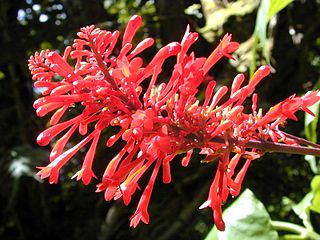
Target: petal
<point>133,25</point>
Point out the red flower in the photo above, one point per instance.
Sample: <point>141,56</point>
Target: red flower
<point>167,120</point>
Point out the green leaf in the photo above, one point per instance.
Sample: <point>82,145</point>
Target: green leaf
<point>267,9</point>
<point>310,129</point>
<point>315,188</point>
<point>312,160</point>
<point>276,6</point>
<point>246,218</point>
<point>262,21</point>
<point>310,123</point>
<point>302,209</point>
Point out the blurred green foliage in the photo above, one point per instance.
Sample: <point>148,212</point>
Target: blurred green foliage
<point>285,184</point>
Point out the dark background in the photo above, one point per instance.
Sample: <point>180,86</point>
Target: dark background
<point>34,209</point>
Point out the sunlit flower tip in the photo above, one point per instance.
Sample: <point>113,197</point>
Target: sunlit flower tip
<point>62,159</point>
<point>101,186</point>
<point>227,46</point>
<point>111,190</point>
<point>61,143</point>
<point>139,216</point>
<point>186,34</point>
<point>254,102</point>
<point>46,108</point>
<point>239,178</point>
<point>55,118</point>
<point>49,171</point>
<point>165,52</point>
<point>84,174</point>
<point>223,49</point>
<point>112,166</point>
<point>61,89</point>
<point>217,97</point>
<point>45,137</point>
<point>59,65</point>
<point>44,172</point>
<point>237,82</point>
<point>209,91</point>
<point>166,173</point>
<point>127,195</point>
<point>133,25</point>
<point>185,160</point>
<point>114,138</point>
<point>144,44</point>
<point>310,98</point>
<point>232,115</point>
<point>262,72</point>
<point>218,221</point>
<point>84,31</point>
<point>221,128</point>
<point>188,39</point>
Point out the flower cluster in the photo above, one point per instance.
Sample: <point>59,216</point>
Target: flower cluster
<point>157,122</point>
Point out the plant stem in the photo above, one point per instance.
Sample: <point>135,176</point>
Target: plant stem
<point>302,140</point>
<point>294,228</point>
<point>268,146</point>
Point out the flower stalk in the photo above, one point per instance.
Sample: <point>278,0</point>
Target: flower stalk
<point>272,147</point>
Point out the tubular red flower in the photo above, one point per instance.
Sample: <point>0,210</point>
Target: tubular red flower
<point>134,23</point>
<point>185,161</point>
<point>86,173</point>
<point>225,47</point>
<point>141,213</point>
<point>165,121</point>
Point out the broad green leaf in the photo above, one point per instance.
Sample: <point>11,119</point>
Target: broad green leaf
<point>315,188</point>
<point>310,201</point>
<point>246,218</point>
